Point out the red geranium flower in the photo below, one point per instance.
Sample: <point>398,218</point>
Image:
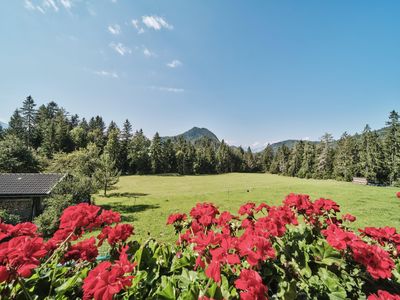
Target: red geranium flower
<point>383,295</point>
<point>85,250</point>
<point>106,280</point>
<point>176,218</point>
<point>19,256</point>
<point>398,194</point>
<point>349,217</point>
<point>338,238</point>
<point>250,282</point>
<point>117,234</point>
<point>247,209</point>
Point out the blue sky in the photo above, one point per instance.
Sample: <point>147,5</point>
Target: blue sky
<point>250,71</point>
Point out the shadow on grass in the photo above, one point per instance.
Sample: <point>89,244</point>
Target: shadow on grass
<point>128,211</point>
<point>126,194</point>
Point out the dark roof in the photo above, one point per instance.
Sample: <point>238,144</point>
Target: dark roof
<point>34,184</point>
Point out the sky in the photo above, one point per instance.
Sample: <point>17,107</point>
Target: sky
<point>253,72</point>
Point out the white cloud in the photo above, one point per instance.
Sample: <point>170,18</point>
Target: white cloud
<point>148,53</point>
<point>255,144</point>
<point>306,138</point>
<point>167,89</point>
<point>40,9</point>
<point>104,73</point>
<point>156,22</point>
<point>66,3</point>
<point>139,29</point>
<point>120,48</point>
<point>175,63</point>
<point>28,5</point>
<point>114,29</point>
<point>50,4</point>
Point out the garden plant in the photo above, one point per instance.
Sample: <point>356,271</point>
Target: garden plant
<point>301,249</point>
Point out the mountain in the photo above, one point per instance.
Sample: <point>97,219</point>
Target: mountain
<point>194,135</point>
<point>288,143</point>
<point>3,125</point>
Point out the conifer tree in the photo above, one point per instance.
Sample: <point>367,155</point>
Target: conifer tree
<point>346,158</point>
<point>138,154</point>
<point>16,125</point>
<point>296,158</point>
<point>307,168</point>
<point>28,115</point>
<point>126,136</point>
<point>392,147</point>
<point>223,158</point>
<point>372,159</point>
<point>156,155</point>
<point>168,154</point>
<point>325,157</point>
<point>267,158</point>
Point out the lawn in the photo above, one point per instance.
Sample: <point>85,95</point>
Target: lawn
<point>147,201</point>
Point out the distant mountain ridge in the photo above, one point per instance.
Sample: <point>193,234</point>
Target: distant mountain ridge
<point>3,125</point>
<point>194,135</point>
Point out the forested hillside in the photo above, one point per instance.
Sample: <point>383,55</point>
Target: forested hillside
<point>49,138</point>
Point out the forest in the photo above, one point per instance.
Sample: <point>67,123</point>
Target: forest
<point>48,138</point>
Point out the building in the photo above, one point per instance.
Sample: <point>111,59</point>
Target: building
<point>22,193</point>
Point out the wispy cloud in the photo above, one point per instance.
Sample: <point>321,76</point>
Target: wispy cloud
<point>104,73</point>
<point>50,4</point>
<point>120,48</point>
<point>114,29</point>
<point>66,3</point>
<point>148,53</point>
<point>174,64</point>
<point>167,89</point>
<point>139,29</point>
<point>29,5</point>
<point>156,22</point>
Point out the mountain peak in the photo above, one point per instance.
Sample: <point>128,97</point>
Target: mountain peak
<point>194,134</point>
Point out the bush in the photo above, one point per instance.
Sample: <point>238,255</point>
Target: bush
<point>9,218</point>
<point>298,250</point>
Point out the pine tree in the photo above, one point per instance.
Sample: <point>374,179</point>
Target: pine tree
<point>16,125</point>
<point>325,157</point>
<point>126,136</point>
<point>280,163</point>
<point>267,158</point>
<point>372,158</point>
<point>392,146</point>
<point>138,154</point>
<point>223,158</point>
<point>28,115</point>
<point>250,161</point>
<point>168,154</point>
<point>307,168</point>
<point>107,173</point>
<point>346,158</point>
<point>156,155</point>
<point>296,158</point>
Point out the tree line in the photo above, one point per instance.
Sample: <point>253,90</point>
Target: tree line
<point>48,138</point>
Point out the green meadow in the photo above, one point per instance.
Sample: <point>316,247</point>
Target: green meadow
<point>147,201</point>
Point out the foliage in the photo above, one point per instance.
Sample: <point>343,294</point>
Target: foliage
<point>301,249</point>
<point>15,157</point>
<point>8,217</point>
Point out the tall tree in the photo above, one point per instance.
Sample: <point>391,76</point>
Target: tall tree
<point>16,125</point>
<point>223,158</point>
<point>28,115</point>
<point>346,158</point>
<point>156,155</point>
<point>250,161</point>
<point>392,146</point>
<point>372,158</point>
<point>307,168</point>
<point>138,154</point>
<point>325,157</point>
<point>126,136</point>
<point>280,163</point>
<point>296,159</point>
<point>113,146</point>
<point>267,157</point>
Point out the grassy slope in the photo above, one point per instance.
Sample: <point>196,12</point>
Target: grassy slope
<point>159,196</point>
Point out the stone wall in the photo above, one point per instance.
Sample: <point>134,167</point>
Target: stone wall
<point>18,206</point>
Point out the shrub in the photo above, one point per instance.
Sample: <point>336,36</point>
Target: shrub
<point>301,249</point>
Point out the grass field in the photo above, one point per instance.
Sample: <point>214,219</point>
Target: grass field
<point>146,201</point>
